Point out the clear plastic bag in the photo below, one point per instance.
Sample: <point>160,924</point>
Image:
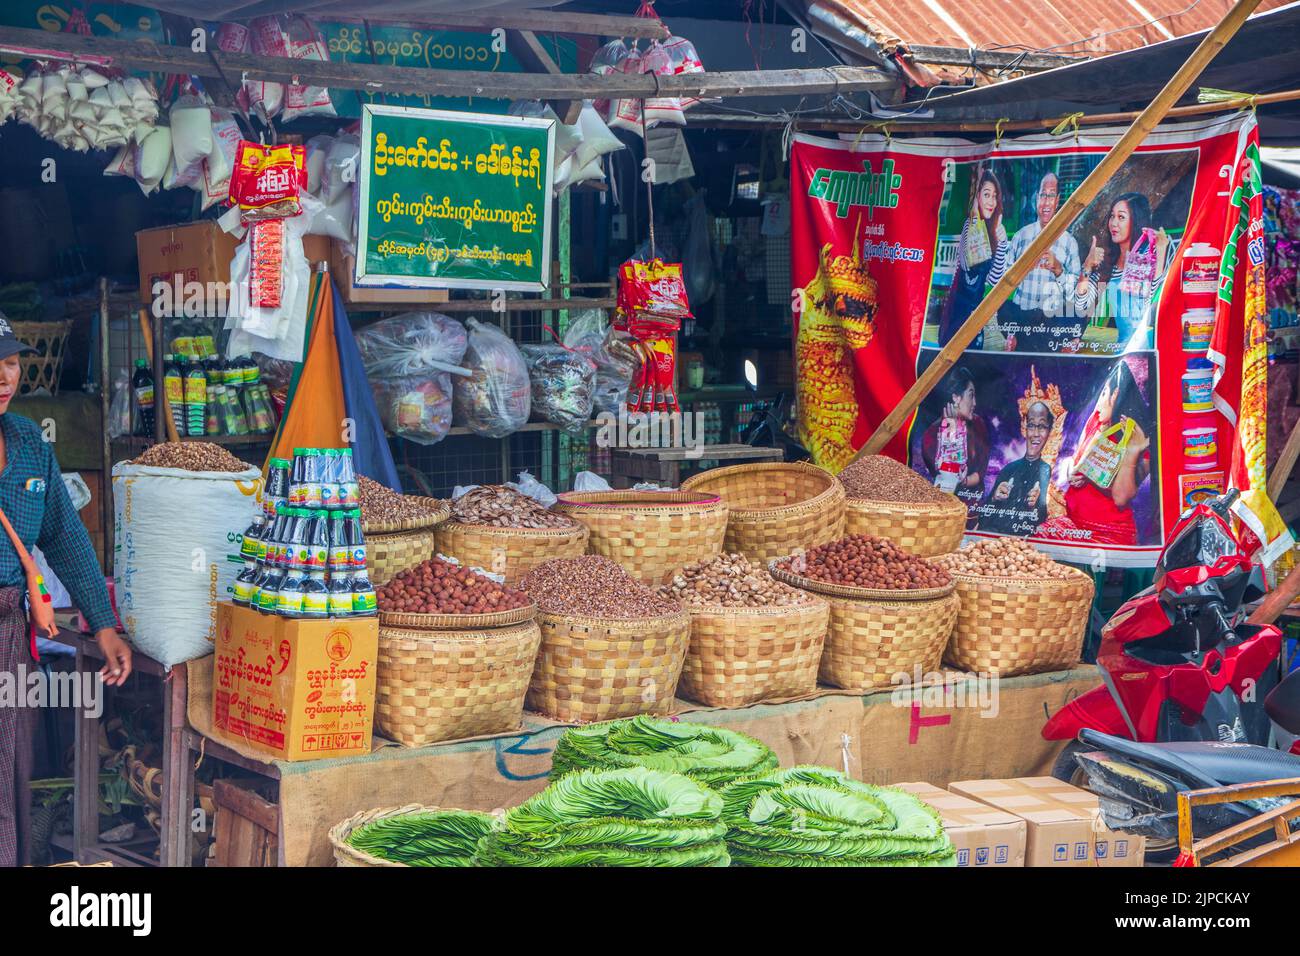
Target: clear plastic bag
<point>495,399</point>
<point>119,409</point>
<point>306,43</point>
<point>563,384</point>
<point>417,407</point>
<point>413,343</point>
<point>608,59</point>
<point>526,484</point>
<point>616,364</point>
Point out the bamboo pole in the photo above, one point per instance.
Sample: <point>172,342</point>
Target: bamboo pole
<point>1078,200</point>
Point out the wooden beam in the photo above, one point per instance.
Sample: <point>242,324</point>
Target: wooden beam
<point>987,59</point>
<point>1078,200</point>
<point>541,21</point>
<point>151,56</point>
<point>533,54</point>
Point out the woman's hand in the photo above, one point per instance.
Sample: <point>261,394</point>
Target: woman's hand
<point>1077,479</point>
<point>1002,492</point>
<point>1092,261</point>
<point>117,653</point>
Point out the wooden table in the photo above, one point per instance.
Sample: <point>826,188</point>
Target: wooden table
<point>663,465</point>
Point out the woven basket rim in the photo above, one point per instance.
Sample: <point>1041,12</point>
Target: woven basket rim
<point>339,833</point>
<point>659,502</point>
<point>621,622</point>
<point>458,622</point>
<point>1076,577</point>
<point>849,591</point>
<point>424,635</point>
<point>779,610</point>
<point>935,508</point>
<point>492,529</point>
<point>409,524</point>
<point>899,605</point>
<point>827,495</point>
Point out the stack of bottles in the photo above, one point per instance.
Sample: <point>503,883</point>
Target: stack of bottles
<point>305,553</point>
<point>213,396</point>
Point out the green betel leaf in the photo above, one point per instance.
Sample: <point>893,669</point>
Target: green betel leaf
<point>426,838</point>
<point>713,755</point>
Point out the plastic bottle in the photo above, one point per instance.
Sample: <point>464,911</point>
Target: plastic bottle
<point>231,376</point>
<point>339,560</point>
<point>268,590</point>
<point>315,594</point>
<point>349,490</point>
<point>317,535</point>
<point>212,412</point>
<point>340,594</point>
<point>314,468</point>
<point>356,540</point>
<point>299,548</point>
<point>245,584</point>
<point>364,602</point>
<point>196,398</point>
<point>174,389</point>
<point>288,598</point>
<point>329,480</point>
<point>296,472</point>
<point>142,386</point>
<point>252,536</point>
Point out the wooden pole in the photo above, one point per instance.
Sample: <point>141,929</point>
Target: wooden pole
<point>1078,200</point>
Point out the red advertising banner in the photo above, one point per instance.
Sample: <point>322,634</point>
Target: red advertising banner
<point>1120,383</point>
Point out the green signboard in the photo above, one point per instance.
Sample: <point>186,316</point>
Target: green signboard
<point>454,200</point>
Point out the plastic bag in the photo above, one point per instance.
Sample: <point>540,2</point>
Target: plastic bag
<point>697,256</point>
<point>597,140</point>
<point>119,410</point>
<point>526,484</point>
<point>563,384</point>
<point>590,481</point>
<point>220,161</point>
<point>684,59</point>
<point>306,43</point>
<point>616,363</point>
<point>494,400</point>
<point>408,360</point>
<point>266,37</point>
<point>191,124</point>
<point>626,113</point>
<point>661,109</point>
<point>567,138</point>
<point>283,277</point>
<point>608,59</point>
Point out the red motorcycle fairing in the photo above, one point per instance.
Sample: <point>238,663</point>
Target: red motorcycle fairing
<point>1096,710</point>
<point>1138,618</point>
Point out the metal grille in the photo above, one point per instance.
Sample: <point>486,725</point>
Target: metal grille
<point>468,460</point>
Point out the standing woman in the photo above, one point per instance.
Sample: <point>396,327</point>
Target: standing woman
<point>983,243</point>
<point>1098,290</point>
<point>36,503</point>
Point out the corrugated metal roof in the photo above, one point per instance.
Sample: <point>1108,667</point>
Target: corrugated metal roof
<point>1087,27</point>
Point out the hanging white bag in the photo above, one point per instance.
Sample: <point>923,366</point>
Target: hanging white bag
<point>176,553</point>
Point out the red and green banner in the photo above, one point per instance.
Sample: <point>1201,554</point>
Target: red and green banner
<point>1124,379</point>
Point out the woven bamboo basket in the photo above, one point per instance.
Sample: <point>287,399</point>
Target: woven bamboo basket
<point>44,367</point>
<point>457,622</point>
<point>925,530</point>
<point>868,642</point>
<point>775,508</point>
<point>389,554</point>
<point>742,655</point>
<point>441,685</point>
<point>825,588</point>
<point>1020,625</point>
<point>511,552</point>
<point>599,669</point>
<point>347,855</point>
<point>438,512</point>
<point>652,534</point>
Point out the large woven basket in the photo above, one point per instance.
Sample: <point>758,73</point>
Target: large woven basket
<point>741,655</point>
<point>652,534</point>
<point>869,642</point>
<point>1019,625</point>
<point>511,552</point>
<point>44,367</point>
<point>775,508</point>
<point>925,530</point>
<point>599,669</point>
<point>347,855</point>
<point>442,685</point>
<point>387,555</point>
<point>438,511</point>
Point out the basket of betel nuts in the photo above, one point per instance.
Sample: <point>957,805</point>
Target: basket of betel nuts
<point>507,532</point>
<point>889,610</point>
<point>399,528</point>
<point>753,637</point>
<point>1021,612</point>
<point>456,650</point>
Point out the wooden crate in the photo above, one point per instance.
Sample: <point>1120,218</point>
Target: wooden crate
<point>247,826</point>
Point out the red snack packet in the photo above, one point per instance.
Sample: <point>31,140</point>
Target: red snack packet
<point>664,362</point>
<point>268,180</point>
<point>266,263</point>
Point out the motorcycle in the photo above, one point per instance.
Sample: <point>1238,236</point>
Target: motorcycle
<point>765,428</point>
<point>1190,693</point>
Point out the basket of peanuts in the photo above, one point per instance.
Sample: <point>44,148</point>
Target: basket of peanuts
<point>890,610</point>
<point>1021,612</point>
<point>456,651</point>
<point>753,637</point>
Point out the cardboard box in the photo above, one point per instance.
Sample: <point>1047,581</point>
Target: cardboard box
<point>198,252</point>
<point>983,836</point>
<point>294,689</point>
<point>1065,827</point>
<point>343,270</point>
<point>195,251</point>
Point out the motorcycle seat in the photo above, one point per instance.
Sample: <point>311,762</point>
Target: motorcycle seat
<point>1283,704</point>
<point>1231,763</point>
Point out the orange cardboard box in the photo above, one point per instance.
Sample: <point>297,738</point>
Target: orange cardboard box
<point>294,689</point>
<point>1064,823</point>
<point>983,836</point>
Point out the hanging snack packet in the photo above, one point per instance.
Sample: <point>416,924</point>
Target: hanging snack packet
<point>950,455</point>
<point>268,180</point>
<point>655,287</point>
<point>267,37</point>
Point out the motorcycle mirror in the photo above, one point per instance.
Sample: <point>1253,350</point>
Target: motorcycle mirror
<point>751,374</point>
